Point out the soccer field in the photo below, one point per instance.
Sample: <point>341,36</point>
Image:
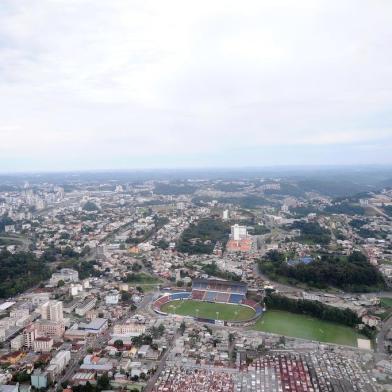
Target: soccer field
<point>226,312</point>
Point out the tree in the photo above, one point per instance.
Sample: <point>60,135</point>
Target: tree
<point>103,382</point>
<point>126,296</point>
<point>90,206</point>
<point>60,283</point>
<point>136,267</point>
<point>119,344</point>
<point>182,327</point>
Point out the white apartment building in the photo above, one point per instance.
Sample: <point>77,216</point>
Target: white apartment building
<point>17,342</point>
<point>38,299</point>
<point>59,362</point>
<point>66,274</point>
<point>2,334</point>
<point>29,336</point>
<point>112,298</point>
<point>131,329</point>
<point>52,310</point>
<point>238,232</point>
<point>19,313</point>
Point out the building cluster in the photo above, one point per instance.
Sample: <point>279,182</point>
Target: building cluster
<point>113,250</point>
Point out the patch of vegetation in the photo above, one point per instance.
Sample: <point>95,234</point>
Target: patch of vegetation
<point>201,237</point>
<point>213,270</point>
<point>367,233</point>
<point>388,210</point>
<point>140,278</point>
<point>357,223</point>
<point>312,233</point>
<point>345,208</point>
<point>353,273</point>
<point>19,272</point>
<point>259,230</point>
<point>5,221</point>
<point>313,308</point>
<point>90,206</point>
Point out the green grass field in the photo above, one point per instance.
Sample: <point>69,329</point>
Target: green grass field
<point>226,312</point>
<point>386,305</point>
<point>386,302</point>
<point>306,327</point>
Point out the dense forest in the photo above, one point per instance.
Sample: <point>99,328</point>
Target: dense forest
<point>388,210</point>
<point>202,236</point>
<point>312,308</point>
<point>19,272</point>
<point>90,206</point>
<point>311,233</point>
<point>345,208</point>
<point>351,273</point>
<point>4,221</point>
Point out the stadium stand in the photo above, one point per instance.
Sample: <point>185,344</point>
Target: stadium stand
<point>198,294</point>
<point>219,285</point>
<point>236,298</point>
<point>180,296</point>
<point>222,297</point>
<point>218,290</point>
<point>210,296</point>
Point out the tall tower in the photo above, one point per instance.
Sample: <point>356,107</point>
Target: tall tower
<point>52,310</point>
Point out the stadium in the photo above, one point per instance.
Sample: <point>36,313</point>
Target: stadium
<point>212,301</point>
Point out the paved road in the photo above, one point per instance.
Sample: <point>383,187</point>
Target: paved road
<point>381,337</point>
<point>162,363</point>
<point>92,343</point>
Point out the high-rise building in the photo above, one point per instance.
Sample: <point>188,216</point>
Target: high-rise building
<point>238,232</point>
<point>29,335</point>
<point>52,310</point>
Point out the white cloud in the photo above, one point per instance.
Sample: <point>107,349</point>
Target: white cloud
<point>178,80</point>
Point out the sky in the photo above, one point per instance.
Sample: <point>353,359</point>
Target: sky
<point>97,84</point>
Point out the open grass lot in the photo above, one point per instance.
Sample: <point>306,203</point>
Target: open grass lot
<point>306,327</point>
<point>142,278</point>
<point>386,305</point>
<point>227,312</point>
<point>386,302</point>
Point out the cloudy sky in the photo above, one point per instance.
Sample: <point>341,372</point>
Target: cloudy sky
<point>97,84</point>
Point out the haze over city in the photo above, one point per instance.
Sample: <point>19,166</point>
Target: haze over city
<point>88,85</point>
<point>195,196</point>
